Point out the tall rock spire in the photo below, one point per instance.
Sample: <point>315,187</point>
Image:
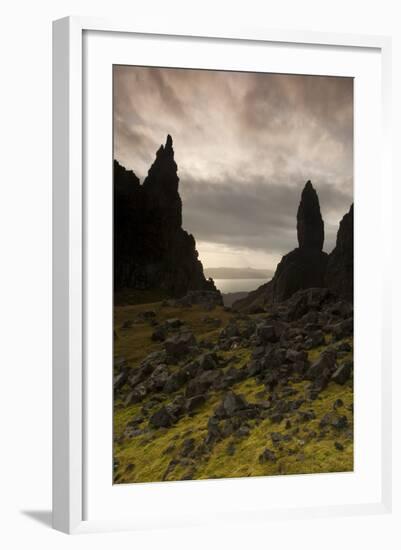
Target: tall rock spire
<point>152,250</point>
<point>161,186</point>
<point>310,226</point>
<point>302,268</point>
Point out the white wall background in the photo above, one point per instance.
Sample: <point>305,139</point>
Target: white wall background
<point>25,218</point>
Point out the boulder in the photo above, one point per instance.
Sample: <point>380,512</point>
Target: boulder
<point>194,403</point>
<point>265,333</point>
<point>267,456</point>
<point>343,328</point>
<point>343,373</point>
<point>180,345</point>
<point>231,404</point>
<point>324,366</point>
<point>162,418</point>
<point>208,361</point>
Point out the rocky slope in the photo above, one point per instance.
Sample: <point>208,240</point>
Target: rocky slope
<point>151,249</point>
<point>202,391</point>
<point>308,266</point>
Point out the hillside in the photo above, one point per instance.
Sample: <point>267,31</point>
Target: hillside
<point>203,392</point>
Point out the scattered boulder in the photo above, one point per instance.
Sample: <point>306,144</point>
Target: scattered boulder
<point>343,328</point>
<point>230,405</point>
<point>265,333</point>
<point>180,345</point>
<point>323,367</point>
<point>335,420</point>
<point>162,418</point>
<point>342,374</point>
<point>208,361</point>
<point>194,403</point>
<point>267,456</point>
<point>159,334</point>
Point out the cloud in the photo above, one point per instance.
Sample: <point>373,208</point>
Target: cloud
<point>245,144</point>
<point>256,215</point>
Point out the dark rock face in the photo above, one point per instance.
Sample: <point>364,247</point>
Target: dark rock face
<point>310,227</point>
<point>304,267</point>
<point>300,269</point>
<point>340,266</point>
<point>151,250</point>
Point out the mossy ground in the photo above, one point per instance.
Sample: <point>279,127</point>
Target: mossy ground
<point>146,458</point>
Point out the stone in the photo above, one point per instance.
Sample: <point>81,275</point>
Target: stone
<point>180,345</point>
<point>119,380</point>
<point>175,381</point>
<point>158,378</point>
<point>159,334</point>
<point>344,346</point>
<point>230,331</point>
<point>334,419</point>
<point>294,356</point>
<point>267,456</point>
<point>173,323</point>
<point>230,450</point>
<point>202,383</point>
<point>342,374</point>
<point>243,431</point>
<point>187,447</point>
<point>343,328</point>
<point>230,405</point>
<point>265,333</point>
<point>136,396</point>
<point>194,403</point>
<point>162,419</point>
<point>306,416</point>
<point>324,366</point>
<point>208,361</point>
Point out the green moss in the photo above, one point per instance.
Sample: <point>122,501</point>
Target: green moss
<point>148,457</point>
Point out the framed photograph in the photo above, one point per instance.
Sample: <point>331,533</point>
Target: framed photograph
<point>220,327</point>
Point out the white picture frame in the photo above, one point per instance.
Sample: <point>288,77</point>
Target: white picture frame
<point>70,260</point>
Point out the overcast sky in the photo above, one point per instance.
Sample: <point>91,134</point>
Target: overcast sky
<point>245,144</point>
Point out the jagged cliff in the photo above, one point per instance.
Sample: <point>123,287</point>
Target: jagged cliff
<point>308,266</point>
<point>340,267</point>
<point>151,249</point>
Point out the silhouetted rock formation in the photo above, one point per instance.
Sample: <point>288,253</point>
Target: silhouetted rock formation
<point>310,226</point>
<point>302,268</point>
<point>151,250</point>
<point>340,267</point>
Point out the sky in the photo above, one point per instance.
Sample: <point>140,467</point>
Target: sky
<point>245,145</point>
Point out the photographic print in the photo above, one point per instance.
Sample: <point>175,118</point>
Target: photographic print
<point>233,274</point>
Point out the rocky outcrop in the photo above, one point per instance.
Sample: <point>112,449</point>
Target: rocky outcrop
<point>340,267</point>
<point>302,268</point>
<point>151,249</point>
<point>310,226</point>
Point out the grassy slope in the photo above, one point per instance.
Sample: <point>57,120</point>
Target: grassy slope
<point>146,457</point>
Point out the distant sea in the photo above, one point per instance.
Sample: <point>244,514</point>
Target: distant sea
<point>238,285</point>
